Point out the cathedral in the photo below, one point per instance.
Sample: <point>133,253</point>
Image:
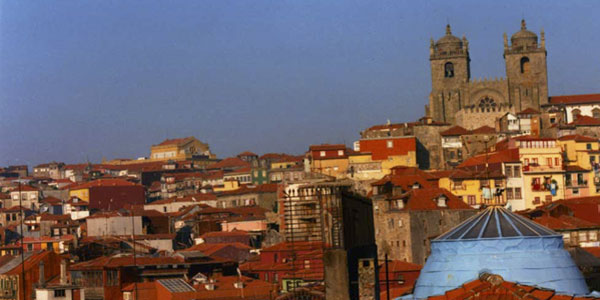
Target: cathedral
<point>457,99</point>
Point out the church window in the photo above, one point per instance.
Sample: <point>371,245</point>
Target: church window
<point>448,70</point>
<point>486,104</point>
<point>596,113</point>
<point>525,65</point>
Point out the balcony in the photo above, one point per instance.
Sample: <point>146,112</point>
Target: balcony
<point>531,168</point>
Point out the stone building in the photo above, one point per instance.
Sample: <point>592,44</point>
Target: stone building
<point>456,98</point>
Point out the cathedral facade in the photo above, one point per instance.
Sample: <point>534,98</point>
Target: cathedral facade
<point>457,99</point>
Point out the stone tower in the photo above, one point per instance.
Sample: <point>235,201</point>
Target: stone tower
<point>526,70</point>
<point>450,72</point>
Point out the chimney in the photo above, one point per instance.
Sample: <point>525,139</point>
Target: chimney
<point>42,275</point>
<point>63,272</point>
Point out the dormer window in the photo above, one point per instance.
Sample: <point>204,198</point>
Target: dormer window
<point>442,201</point>
<point>340,152</point>
<point>448,70</point>
<point>322,153</point>
<point>416,185</point>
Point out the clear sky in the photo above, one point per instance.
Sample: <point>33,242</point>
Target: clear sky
<point>90,79</point>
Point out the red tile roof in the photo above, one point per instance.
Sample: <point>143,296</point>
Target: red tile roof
<point>190,198</point>
<point>177,141</point>
<point>577,138</point>
<point>230,162</point>
<point>564,222</point>
<point>455,130</point>
<point>211,249</point>
<point>247,189</point>
<point>593,250</point>
<point>491,286</point>
<point>585,121</point>
<point>424,199</point>
<point>324,147</point>
<point>225,233</point>
<point>503,156</point>
<point>483,130</point>
<point>575,99</point>
<point>102,182</point>
<point>528,111</point>
<point>26,188</point>
<point>247,153</point>
<point>405,182</point>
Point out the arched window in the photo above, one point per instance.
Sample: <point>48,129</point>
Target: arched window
<point>575,113</point>
<point>596,113</point>
<point>525,65</point>
<point>448,70</point>
<point>486,104</point>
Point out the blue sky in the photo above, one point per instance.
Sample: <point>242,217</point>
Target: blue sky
<point>90,79</point>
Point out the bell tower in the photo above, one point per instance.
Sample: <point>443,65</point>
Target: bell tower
<point>526,69</point>
<point>450,72</point>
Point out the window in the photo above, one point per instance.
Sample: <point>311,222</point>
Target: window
<point>448,70</point>
<point>49,246</point>
<point>340,152</point>
<point>486,104</point>
<point>548,198</point>
<point>534,161</point>
<point>575,113</point>
<point>575,192</point>
<point>59,293</point>
<point>536,200</point>
<point>525,65</point>
<point>596,113</point>
<point>549,161</point>
<point>509,193</point>
<point>588,146</point>
<point>391,224</point>
<point>322,153</point>
<point>508,171</point>
<point>517,171</point>
<point>557,161</point>
<point>390,144</point>
<point>580,180</point>
<point>526,162</point>
<point>471,199</point>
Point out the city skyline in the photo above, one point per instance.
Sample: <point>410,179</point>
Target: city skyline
<point>87,81</point>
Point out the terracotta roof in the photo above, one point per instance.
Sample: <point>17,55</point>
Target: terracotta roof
<point>225,233</point>
<point>577,138</point>
<point>575,169</point>
<point>102,182</point>
<point>177,141</point>
<point>575,99</point>
<point>26,188</point>
<point>483,130</point>
<point>211,249</point>
<point>585,121</point>
<point>455,130</point>
<point>593,250</point>
<point>491,286</point>
<point>424,199</point>
<point>586,208</point>
<point>230,162</point>
<point>247,189</point>
<point>51,200</point>
<point>404,181</point>
<point>528,111</point>
<point>324,147</point>
<point>247,153</point>
<point>564,222</point>
<point>190,198</point>
<point>503,156</point>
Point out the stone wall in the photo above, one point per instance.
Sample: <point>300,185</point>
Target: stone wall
<point>472,118</point>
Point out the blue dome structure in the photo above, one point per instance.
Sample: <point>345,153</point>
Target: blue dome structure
<point>500,242</point>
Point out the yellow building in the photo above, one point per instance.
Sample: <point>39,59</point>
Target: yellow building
<point>543,173</point>
<point>582,157</point>
<point>179,149</point>
<point>330,160</point>
<point>476,187</point>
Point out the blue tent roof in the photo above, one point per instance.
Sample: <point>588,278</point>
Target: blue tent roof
<point>500,242</point>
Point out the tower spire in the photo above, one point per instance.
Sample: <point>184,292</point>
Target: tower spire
<point>523,25</point>
<point>448,30</point>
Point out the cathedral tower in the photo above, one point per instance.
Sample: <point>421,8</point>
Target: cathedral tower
<point>450,72</point>
<point>526,70</point>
